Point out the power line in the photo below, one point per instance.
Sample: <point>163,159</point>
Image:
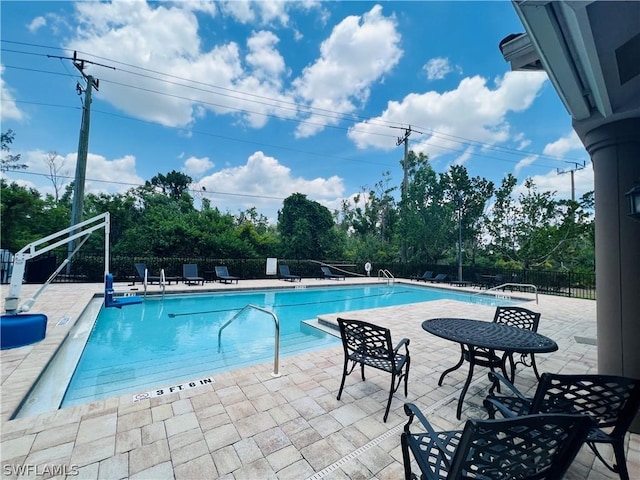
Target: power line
<point>299,107</point>
<point>136,185</point>
<point>271,145</point>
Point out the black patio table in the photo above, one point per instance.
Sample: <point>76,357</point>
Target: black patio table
<point>475,334</point>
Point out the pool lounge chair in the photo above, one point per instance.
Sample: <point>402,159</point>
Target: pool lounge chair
<point>327,273</point>
<point>439,278</point>
<point>141,268</point>
<point>286,275</point>
<point>222,275</point>
<point>190,274</point>
<point>426,276</point>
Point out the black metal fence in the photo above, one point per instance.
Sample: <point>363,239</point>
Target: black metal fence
<point>88,267</point>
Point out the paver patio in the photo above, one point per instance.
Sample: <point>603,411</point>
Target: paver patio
<point>249,425</point>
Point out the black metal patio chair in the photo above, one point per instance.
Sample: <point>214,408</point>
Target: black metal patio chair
<point>522,318</point>
<point>368,344</point>
<point>611,401</point>
<point>529,447</point>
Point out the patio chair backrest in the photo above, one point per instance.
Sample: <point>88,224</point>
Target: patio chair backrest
<point>610,400</point>
<point>222,271</point>
<point>366,341</point>
<point>140,268</point>
<point>284,270</point>
<point>517,317</point>
<point>326,271</point>
<point>189,270</point>
<point>531,446</point>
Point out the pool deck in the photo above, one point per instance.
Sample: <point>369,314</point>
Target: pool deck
<point>250,425</point>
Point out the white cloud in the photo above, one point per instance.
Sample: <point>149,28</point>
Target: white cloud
<point>165,38</point>
<point>265,12</point>
<point>438,68</point>
<point>36,24</point>
<point>525,162</point>
<point>563,145</point>
<point>103,175</point>
<point>359,51</point>
<point>263,57</point>
<point>473,111</point>
<point>194,167</point>
<point>464,157</point>
<point>9,110</point>
<point>265,180</point>
<point>241,10</point>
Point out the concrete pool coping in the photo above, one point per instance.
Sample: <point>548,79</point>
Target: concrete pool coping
<point>250,425</point>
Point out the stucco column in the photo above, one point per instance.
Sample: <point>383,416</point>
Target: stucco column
<point>615,152</point>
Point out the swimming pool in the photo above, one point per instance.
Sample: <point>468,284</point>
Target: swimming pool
<point>164,341</point>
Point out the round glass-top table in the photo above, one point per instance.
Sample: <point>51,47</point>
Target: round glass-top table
<point>480,334</point>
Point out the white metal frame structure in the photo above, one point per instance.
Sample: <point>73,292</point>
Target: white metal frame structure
<point>34,249</point>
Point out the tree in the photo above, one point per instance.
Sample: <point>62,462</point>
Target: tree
<point>474,194</point>
<point>536,228</point>
<point>307,229</point>
<point>55,163</point>
<point>21,210</point>
<point>174,185</point>
<point>430,217</point>
<point>370,225</point>
<point>8,161</point>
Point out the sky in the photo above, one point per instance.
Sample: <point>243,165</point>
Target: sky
<point>259,100</point>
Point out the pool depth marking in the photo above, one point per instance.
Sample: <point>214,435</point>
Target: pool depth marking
<point>171,389</point>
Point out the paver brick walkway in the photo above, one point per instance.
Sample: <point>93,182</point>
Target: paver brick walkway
<point>249,425</point>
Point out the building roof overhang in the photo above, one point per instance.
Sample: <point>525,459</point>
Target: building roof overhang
<point>590,51</point>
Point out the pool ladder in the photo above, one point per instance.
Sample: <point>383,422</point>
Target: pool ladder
<point>163,282</point>
<point>275,372</point>
<point>386,274</point>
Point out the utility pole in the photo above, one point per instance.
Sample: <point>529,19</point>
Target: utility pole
<point>405,182</point>
<point>577,167</point>
<point>83,143</point>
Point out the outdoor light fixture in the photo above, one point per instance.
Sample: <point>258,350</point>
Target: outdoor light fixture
<point>633,197</point>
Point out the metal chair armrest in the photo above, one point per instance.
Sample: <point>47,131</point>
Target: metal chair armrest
<point>405,342</point>
<point>497,379</point>
<point>411,410</point>
<point>495,404</point>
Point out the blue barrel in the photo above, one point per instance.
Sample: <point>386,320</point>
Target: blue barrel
<point>22,329</point>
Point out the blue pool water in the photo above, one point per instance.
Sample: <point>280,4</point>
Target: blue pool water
<point>165,341</point>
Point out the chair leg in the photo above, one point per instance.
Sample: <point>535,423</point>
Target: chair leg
<point>620,465</point>
<point>621,462</point>
<point>393,382</point>
<point>362,371</point>
<point>344,377</point>
<point>405,456</point>
<point>406,377</point>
